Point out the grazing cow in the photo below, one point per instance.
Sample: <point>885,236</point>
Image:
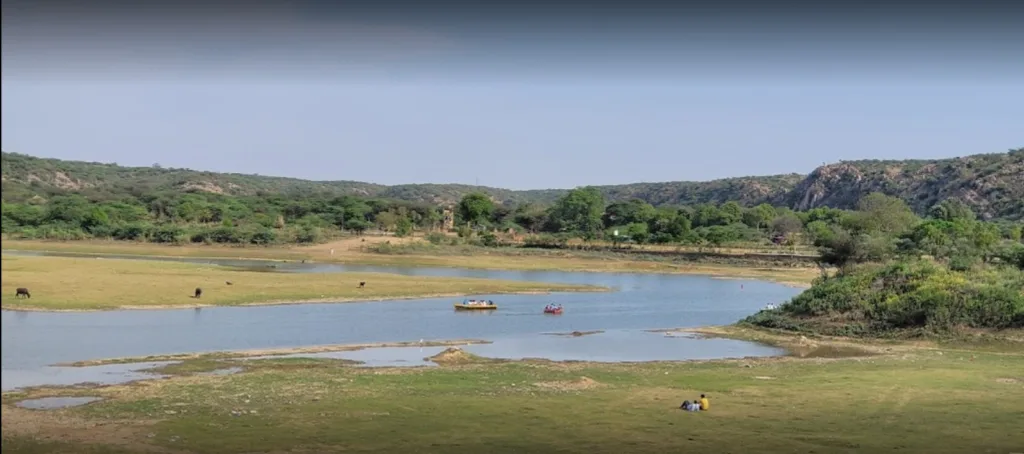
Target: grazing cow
<point>228,282</point>
<point>22,291</point>
<point>362,284</point>
<point>199,292</point>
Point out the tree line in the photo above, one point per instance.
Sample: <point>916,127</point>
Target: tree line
<point>880,225</point>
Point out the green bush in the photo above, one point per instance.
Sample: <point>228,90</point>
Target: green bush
<point>905,295</point>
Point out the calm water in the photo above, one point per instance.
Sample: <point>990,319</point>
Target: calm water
<point>34,340</point>
<point>51,403</point>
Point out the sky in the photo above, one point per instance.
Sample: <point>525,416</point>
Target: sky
<point>506,97</point>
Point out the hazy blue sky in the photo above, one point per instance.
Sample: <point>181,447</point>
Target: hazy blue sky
<point>407,102</point>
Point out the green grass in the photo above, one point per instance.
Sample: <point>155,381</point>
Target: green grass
<point>910,400</point>
<point>354,251</point>
<point>60,283</point>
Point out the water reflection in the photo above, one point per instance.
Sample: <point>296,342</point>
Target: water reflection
<point>644,301</point>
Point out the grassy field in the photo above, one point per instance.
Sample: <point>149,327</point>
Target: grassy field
<point>904,398</point>
<point>61,283</point>
<point>353,251</point>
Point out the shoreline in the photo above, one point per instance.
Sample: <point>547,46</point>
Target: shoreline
<point>787,342</point>
<point>258,352</point>
<point>797,277</point>
<point>165,307</point>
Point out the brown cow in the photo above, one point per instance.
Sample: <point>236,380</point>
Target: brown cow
<point>362,284</point>
<point>199,292</point>
<point>22,291</point>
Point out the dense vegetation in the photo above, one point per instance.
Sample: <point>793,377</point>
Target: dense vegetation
<point>991,184</point>
<point>143,212</point>
<point>904,295</point>
<point>899,274</point>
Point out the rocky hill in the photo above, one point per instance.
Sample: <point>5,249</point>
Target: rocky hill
<point>992,184</point>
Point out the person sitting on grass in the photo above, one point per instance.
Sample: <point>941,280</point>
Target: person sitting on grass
<point>704,404</point>
<point>690,406</point>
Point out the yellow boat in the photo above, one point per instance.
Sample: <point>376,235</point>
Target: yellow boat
<point>476,305</point>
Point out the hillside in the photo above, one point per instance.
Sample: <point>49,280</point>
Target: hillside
<point>991,184</point>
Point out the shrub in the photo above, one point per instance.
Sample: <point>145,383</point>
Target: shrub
<point>908,295</point>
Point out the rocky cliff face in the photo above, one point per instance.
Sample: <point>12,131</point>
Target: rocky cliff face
<point>991,184</point>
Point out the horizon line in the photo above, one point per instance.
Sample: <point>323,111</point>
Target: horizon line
<point>170,169</point>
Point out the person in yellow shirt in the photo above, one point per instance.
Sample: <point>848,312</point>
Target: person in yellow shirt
<point>704,405</point>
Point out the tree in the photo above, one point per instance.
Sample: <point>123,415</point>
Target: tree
<point>759,216</point>
<point>730,212</point>
<point>475,208</point>
<point>706,215</point>
<point>985,237</point>
<point>638,232</point>
<point>403,226</point>
<point>358,226</point>
<point>668,225</point>
<point>579,212</point>
<point>69,209</point>
<point>386,221</point>
<point>530,217</point>
<point>879,213</point>
<point>429,219</point>
<point>96,220</point>
<point>787,225</point>
<point>952,210</point>
<point>819,232</point>
<point>839,249</point>
<point>633,211</point>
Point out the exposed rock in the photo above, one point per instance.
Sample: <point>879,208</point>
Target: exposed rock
<point>991,184</point>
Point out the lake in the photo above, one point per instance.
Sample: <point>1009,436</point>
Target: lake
<point>640,302</point>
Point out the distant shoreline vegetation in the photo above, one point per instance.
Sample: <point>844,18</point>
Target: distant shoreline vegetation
<point>69,200</point>
<point>895,268</point>
<point>583,214</point>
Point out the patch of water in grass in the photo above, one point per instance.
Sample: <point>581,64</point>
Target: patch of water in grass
<point>53,403</point>
<point>108,374</point>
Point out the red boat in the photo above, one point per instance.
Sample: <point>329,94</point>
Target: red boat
<point>553,310</point>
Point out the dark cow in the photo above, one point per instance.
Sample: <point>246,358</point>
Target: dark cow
<point>199,292</point>
<point>228,282</point>
<point>22,291</point>
<point>362,284</point>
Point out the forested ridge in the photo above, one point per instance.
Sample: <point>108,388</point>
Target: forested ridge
<point>992,185</point>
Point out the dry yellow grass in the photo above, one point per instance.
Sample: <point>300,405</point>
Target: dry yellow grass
<point>350,251</point>
<point>61,283</point>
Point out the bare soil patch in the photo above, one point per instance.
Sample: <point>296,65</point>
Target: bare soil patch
<point>60,426</point>
<point>580,384</point>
